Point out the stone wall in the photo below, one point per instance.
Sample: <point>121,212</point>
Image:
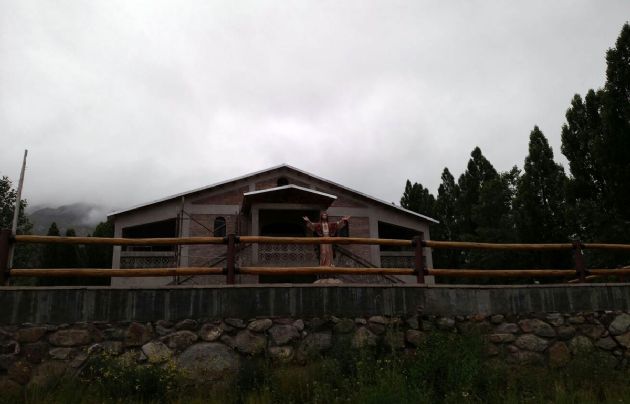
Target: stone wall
<point>48,332</point>
<point>34,354</point>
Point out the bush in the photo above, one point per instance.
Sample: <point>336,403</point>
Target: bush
<point>118,377</point>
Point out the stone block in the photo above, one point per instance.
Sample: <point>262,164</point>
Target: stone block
<point>31,334</point>
<point>70,337</point>
<point>208,361</point>
<point>283,334</point>
<point>250,343</point>
<point>261,325</point>
<point>531,342</point>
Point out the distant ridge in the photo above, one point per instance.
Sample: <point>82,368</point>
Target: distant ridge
<point>82,217</point>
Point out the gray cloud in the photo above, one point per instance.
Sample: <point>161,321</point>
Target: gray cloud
<point>124,102</point>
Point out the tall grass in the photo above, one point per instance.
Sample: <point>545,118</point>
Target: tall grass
<point>447,368</point>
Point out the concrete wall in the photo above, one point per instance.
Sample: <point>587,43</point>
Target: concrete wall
<point>73,304</point>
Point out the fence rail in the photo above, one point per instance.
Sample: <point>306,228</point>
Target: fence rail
<point>231,270</point>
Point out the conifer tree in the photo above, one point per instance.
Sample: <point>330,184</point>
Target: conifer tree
<point>50,252</point>
<point>418,199</point>
<point>540,201</point>
<point>447,229</point>
<point>479,173</point>
<point>69,253</point>
<point>446,208</point>
<point>100,256</point>
<point>596,141</point>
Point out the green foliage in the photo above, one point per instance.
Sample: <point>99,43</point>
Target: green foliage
<point>100,256</point>
<point>8,195</point>
<point>540,201</point>
<point>418,199</point>
<point>435,365</point>
<point>72,256</point>
<point>24,255</point>
<point>446,368</point>
<point>118,378</point>
<point>543,205</point>
<point>540,204</point>
<point>596,141</point>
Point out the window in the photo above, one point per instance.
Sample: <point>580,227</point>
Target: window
<point>282,181</point>
<point>220,228</point>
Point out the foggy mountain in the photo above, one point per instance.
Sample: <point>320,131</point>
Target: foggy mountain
<point>82,217</point>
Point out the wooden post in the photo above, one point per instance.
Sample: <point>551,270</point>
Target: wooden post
<point>418,244</point>
<point>578,257</point>
<point>5,247</point>
<point>231,259</point>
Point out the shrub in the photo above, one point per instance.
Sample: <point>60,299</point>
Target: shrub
<point>119,377</point>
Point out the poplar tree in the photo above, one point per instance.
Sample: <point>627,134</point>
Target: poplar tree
<point>479,173</point>
<point>418,199</point>
<point>540,204</point>
<point>100,256</point>
<point>51,252</point>
<point>69,254</point>
<point>540,200</point>
<point>447,229</point>
<point>596,142</point>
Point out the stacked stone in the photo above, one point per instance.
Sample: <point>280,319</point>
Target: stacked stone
<point>211,349</point>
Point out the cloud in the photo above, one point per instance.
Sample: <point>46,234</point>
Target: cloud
<point>124,102</point>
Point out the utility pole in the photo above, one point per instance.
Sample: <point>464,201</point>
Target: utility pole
<point>16,211</point>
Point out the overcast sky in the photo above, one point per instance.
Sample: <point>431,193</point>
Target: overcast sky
<point>123,102</point>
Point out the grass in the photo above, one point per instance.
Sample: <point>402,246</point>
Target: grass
<point>448,368</point>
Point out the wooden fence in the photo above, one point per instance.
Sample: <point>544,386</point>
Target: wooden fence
<point>580,272</point>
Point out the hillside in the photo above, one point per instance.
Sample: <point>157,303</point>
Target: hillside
<point>81,217</point>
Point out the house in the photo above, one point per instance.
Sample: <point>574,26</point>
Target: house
<point>270,202</point>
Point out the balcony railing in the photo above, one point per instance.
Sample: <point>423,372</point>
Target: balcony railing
<point>147,259</point>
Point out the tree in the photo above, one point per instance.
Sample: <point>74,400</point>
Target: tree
<point>540,203</point>
<point>50,252</point>
<point>485,210</point>
<point>24,255</point>
<point>596,141</point>
<point>418,199</point>
<point>448,228</point>
<point>446,208</point>
<point>69,254</point>
<point>100,256</point>
<point>616,123</point>
<point>540,200</point>
<point>8,195</point>
<point>478,173</point>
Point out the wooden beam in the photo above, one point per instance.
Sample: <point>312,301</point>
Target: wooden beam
<point>324,240</point>
<point>501,273</point>
<point>600,246</point>
<point>118,241</point>
<point>280,271</point>
<point>495,246</point>
<point>607,271</point>
<point>94,272</point>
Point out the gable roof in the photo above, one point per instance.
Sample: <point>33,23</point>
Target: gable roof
<point>285,193</point>
<point>265,171</point>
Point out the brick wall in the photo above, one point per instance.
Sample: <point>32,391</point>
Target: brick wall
<point>233,197</point>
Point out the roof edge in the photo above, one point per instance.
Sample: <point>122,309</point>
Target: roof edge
<point>208,187</point>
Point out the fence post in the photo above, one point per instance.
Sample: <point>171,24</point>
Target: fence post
<point>578,257</point>
<point>5,247</point>
<point>418,244</point>
<point>231,259</point>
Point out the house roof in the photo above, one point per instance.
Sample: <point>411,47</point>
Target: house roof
<point>287,193</point>
<point>278,167</point>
